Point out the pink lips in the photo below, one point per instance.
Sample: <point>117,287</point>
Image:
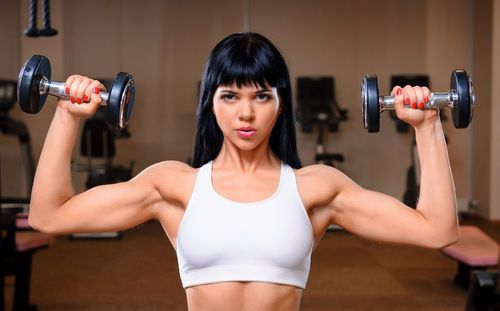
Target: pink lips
<point>245,132</point>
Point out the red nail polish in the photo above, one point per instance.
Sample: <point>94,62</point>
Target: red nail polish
<point>85,98</point>
<point>399,92</point>
<point>414,105</point>
<point>421,105</point>
<point>67,90</point>
<point>72,99</point>
<point>78,101</point>
<point>407,101</point>
<point>426,99</point>
<point>96,90</point>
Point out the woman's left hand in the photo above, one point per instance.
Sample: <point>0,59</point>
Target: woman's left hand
<point>410,105</point>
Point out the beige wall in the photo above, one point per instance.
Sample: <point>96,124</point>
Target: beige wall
<point>11,168</point>
<point>164,44</point>
<point>481,126</point>
<point>495,112</point>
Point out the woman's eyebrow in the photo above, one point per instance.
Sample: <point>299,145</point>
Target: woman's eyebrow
<point>263,91</point>
<point>228,91</point>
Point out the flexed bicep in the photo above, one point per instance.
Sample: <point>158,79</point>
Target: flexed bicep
<point>380,217</point>
<point>103,208</point>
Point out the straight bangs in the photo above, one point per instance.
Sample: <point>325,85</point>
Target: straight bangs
<point>246,66</point>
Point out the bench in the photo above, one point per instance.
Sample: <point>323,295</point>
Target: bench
<point>474,250</point>
<point>19,244</point>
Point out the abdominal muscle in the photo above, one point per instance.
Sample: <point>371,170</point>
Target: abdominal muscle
<point>243,296</point>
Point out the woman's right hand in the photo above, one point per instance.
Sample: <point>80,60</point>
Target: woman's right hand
<point>85,96</point>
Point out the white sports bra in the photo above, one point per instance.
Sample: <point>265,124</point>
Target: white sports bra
<point>220,240</point>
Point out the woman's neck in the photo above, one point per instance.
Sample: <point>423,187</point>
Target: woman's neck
<point>232,157</point>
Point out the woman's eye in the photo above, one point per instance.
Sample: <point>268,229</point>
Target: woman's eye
<point>228,97</point>
<point>263,97</point>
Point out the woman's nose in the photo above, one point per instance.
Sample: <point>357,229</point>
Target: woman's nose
<point>246,111</point>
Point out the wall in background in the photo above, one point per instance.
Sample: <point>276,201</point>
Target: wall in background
<point>165,44</point>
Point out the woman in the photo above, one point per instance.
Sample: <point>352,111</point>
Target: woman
<point>245,218</point>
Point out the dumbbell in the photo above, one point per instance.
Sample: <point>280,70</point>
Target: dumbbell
<point>460,98</point>
<point>34,85</point>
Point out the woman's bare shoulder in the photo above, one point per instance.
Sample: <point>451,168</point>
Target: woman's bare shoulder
<point>170,178</point>
<point>169,175</point>
<point>317,172</point>
<point>318,183</point>
<point>169,169</point>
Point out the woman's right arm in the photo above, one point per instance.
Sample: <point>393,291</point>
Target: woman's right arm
<point>54,207</point>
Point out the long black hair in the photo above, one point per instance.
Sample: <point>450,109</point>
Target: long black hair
<point>245,58</point>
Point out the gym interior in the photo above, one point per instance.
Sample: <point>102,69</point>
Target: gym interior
<point>165,45</point>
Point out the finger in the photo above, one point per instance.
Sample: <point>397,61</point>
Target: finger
<point>73,88</point>
<point>420,96</point>
<point>397,92</point>
<point>410,96</point>
<point>87,94</point>
<point>80,93</point>
<point>88,91</point>
<point>94,99</point>
<point>95,95</point>
<point>427,94</point>
<point>399,107</point>
<point>102,88</point>
<point>68,82</point>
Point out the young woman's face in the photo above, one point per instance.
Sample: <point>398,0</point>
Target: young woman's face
<point>246,115</point>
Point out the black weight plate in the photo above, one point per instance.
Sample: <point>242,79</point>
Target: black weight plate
<point>462,112</point>
<point>120,102</point>
<point>28,93</point>
<point>370,103</point>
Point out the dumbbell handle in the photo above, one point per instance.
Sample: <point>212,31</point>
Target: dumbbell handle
<point>58,89</point>
<point>436,100</point>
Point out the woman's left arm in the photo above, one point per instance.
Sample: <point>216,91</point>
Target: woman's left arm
<point>380,217</point>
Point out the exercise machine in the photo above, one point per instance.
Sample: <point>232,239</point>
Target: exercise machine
<point>317,106</point>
